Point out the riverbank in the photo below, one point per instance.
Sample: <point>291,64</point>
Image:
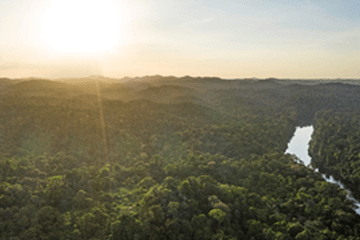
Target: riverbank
<point>299,145</point>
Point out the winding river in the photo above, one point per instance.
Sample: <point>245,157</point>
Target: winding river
<point>299,145</point>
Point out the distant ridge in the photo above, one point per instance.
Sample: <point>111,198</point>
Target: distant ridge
<point>170,78</point>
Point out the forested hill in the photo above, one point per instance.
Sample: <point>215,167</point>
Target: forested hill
<point>171,158</point>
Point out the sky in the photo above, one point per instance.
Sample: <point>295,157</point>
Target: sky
<point>228,39</point>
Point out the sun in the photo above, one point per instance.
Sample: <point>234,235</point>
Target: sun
<point>82,26</point>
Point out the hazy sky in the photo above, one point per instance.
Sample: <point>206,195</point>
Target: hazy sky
<point>228,39</point>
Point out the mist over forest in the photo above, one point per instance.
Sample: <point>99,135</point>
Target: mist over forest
<point>158,157</point>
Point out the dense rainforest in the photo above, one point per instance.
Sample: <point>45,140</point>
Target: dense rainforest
<point>335,147</point>
<point>176,158</point>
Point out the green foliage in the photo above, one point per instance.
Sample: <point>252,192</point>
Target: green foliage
<point>217,214</point>
<point>204,161</point>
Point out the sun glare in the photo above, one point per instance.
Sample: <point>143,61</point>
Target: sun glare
<point>82,26</point>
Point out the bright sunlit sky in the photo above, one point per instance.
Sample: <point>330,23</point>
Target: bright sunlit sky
<point>228,39</point>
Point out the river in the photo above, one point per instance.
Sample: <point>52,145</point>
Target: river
<point>299,145</point>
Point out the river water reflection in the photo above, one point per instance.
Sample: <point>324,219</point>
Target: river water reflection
<point>299,146</point>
